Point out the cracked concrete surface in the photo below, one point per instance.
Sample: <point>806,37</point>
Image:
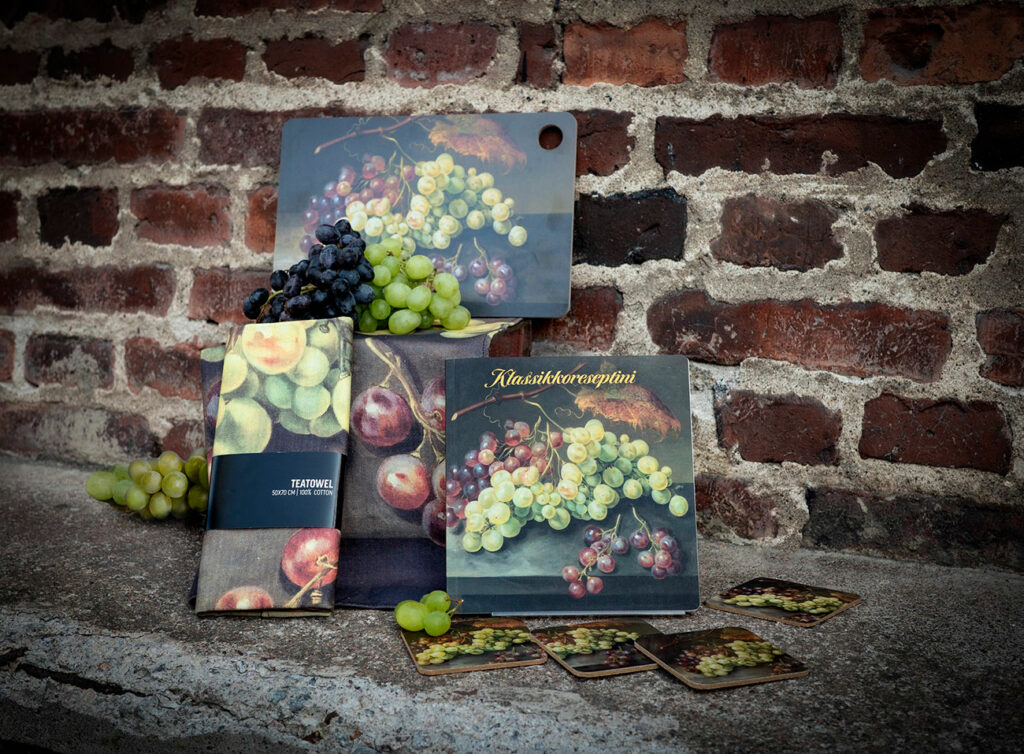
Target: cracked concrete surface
<point>99,651</point>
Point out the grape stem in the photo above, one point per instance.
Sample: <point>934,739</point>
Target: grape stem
<point>395,369</point>
<point>521,395</point>
<point>368,131</point>
<point>325,565</point>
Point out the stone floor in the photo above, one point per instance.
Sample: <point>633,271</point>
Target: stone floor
<point>99,652</point>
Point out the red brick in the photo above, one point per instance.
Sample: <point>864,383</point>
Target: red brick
<point>590,323</point>
<point>944,45</point>
<point>178,61</point>
<point>602,142</point>
<point>96,289</point>
<point>944,432</point>
<point>949,243</point>
<point>8,215</point>
<point>729,507</point>
<point>939,529</point>
<point>184,436</point>
<point>6,355</point>
<point>173,372</point>
<point>773,429</point>
<point>761,232</point>
<point>755,144</point>
<point>91,63</point>
<point>250,139</point>
<point>261,220</point>
<point>538,50</point>
<point>629,228</point>
<point>651,53</point>
<point>860,339</point>
<point>217,294</point>
<point>1000,140</point>
<point>103,11</point>
<point>190,216</point>
<point>426,54</point>
<point>317,57</point>
<point>74,433</point>
<point>769,49</point>
<point>90,137</point>
<point>1001,335</point>
<point>86,363</point>
<point>17,67</point>
<point>232,8</point>
<point>78,215</point>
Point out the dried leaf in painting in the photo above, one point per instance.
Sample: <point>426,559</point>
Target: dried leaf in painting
<point>478,137</point>
<point>633,404</point>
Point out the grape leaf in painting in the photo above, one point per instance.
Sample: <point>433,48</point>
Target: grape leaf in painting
<point>631,404</point>
<point>478,137</point>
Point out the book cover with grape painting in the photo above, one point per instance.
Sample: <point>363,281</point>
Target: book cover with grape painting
<point>474,644</point>
<point>598,648</point>
<point>720,658</point>
<point>488,198</point>
<point>569,486</point>
<point>783,601</point>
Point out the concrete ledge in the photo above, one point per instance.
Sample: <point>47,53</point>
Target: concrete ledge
<point>98,651</point>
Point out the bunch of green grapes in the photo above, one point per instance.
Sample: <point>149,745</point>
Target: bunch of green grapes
<point>743,654</point>
<point>585,641</point>
<point>475,642</point>
<point>431,613</point>
<point>156,487</point>
<point>811,605</point>
<point>410,292</point>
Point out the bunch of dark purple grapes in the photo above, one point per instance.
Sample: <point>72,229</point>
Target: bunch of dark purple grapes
<point>329,283</point>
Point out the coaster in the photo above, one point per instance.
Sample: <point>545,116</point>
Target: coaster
<point>474,644</point>
<point>720,658</point>
<point>596,649</point>
<point>783,601</point>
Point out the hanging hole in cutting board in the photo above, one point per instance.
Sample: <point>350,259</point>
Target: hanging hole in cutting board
<point>550,137</point>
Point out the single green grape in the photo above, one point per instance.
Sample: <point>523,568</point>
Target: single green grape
<point>311,369</point>
<point>678,505</point>
<point>419,298</point>
<point>632,489</point>
<point>120,489</point>
<point>381,275</point>
<point>367,322</point>
<point>120,471</point>
<point>138,468</point>
<point>446,284</point>
<point>136,499</point>
<point>396,294</point>
<point>471,541</point>
<point>197,499</point>
<point>418,267</point>
<point>311,402</point>
<point>409,614</point>
<point>150,482</point>
<point>375,253</point>
<point>169,461</point>
<point>392,246</point>
<point>517,235</point>
<point>492,540</point>
<point>159,505</point>
<point>278,390</point>
<point>440,307</point>
<point>457,319</point>
<point>179,507</point>
<point>380,309</point>
<point>174,484</point>
<point>195,468</point>
<point>436,600</point>
<point>100,484</point>
<point>436,623</point>
<point>403,321</point>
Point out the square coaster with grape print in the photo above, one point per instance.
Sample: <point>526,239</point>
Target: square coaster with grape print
<point>783,601</point>
<point>720,658</point>
<point>598,648</point>
<point>474,644</point>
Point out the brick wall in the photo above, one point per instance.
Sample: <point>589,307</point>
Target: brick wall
<point>819,203</point>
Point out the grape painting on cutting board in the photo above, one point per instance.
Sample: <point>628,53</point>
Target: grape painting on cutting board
<point>569,485</point>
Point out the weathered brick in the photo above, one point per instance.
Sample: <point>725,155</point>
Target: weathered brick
<point>538,50</point>
<point>78,215</point>
<point>1000,140</point>
<point>184,436</point>
<point>773,429</point>
<point>1001,335</point>
<point>217,294</point>
<point>173,372</point>
<point>17,66</point>
<point>602,142</point>
<point>756,144</point>
<point>761,232</point>
<point>190,216</point>
<point>66,432</point>
<point>6,355</point>
<point>939,529</point>
<point>250,139</point>
<point>651,53</point>
<point>8,215</point>
<point>944,432</point>
<point>86,363</point>
<point>427,54</point>
<point>103,11</point>
<point>629,228</point>
<point>590,323</point>
<point>317,57</point>
<point>728,506</point>
<point>91,63</point>
<point>944,45</point>
<point>860,339</point>
<point>949,243</point>
<point>99,289</point>
<point>90,137</point>
<point>232,8</point>
<point>261,220</point>
<point>178,61</point>
<point>768,49</point>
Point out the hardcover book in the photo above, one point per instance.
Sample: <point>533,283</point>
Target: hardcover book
<point>280,435</point>
<point>570,486</point>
